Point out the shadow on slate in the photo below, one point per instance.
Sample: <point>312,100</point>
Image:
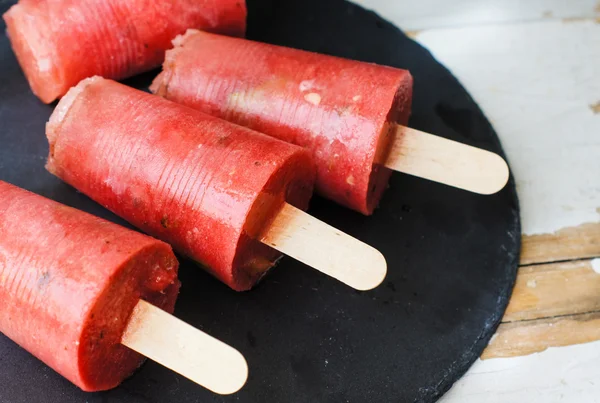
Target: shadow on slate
<point>452,255</point>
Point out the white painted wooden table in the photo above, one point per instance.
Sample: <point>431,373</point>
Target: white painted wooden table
<point>534,68</point>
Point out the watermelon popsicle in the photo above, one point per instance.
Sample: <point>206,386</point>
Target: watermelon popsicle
<point>76,290</point>
<point>226,196</point>
<point>351,115</point>
<point>60,42</point>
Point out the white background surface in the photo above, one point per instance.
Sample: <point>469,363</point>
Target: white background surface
<point>534,68</point>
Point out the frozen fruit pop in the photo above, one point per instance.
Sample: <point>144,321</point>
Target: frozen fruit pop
<point>349,114</point>
<point>228,197</point>
<point>76,290</point>
<point>60,42</point>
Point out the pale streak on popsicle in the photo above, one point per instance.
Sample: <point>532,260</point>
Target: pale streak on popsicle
<point>326,249</point>
<point>184,349</point>
<point>445,161</point>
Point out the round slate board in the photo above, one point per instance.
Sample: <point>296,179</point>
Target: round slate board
<point>452,255</point>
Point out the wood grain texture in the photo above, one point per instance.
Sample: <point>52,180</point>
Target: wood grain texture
<point>184,349</point>
<point>571,243</point>
<point>556,289</point>
<point>528,337</point>
<point>326,249</point>
<point>445,161</point>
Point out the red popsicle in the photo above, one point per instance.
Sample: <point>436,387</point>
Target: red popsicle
<point>60,42</point>
<point>349,114</point>
<point>340,109</point>
<point>71,283</point>
<point>214,190</point>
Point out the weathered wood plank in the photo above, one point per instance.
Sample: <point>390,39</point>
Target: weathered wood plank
<point>528,337</point>
<point>572,243</point>
<point>556,289</point>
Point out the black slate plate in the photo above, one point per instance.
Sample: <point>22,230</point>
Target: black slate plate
<point>452,255</point>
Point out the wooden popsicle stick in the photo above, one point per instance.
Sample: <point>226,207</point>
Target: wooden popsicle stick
<point>445,161</point>
<point>184,349</point>
<point>328,250</point>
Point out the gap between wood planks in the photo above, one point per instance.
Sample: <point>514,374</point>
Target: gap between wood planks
<point>567,244</point>
<point>553,304</point>
<point>515,339</point>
